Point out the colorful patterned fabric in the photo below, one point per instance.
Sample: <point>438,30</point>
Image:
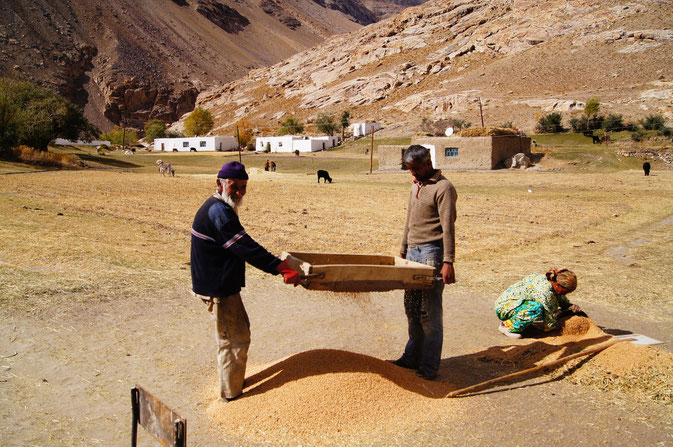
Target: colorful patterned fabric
<point>536,288</point>
<point>564,277</point>
<point>523,316</point>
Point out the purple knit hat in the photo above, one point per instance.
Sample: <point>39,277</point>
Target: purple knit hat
<point>233,170</point>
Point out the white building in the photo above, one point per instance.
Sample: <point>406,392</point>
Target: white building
<point>362,129</point>
<point>195,144</point>
<point>290,143</point>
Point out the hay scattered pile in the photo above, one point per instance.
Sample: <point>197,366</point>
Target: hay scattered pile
<point>487,132</point>
<point>332,397</point>
<point>326,396</point>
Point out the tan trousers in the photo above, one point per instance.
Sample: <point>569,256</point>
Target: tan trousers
<point>232,332</point>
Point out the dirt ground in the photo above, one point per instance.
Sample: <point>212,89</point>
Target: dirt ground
<point>102,305</point>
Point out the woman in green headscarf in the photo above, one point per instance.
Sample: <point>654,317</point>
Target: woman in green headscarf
<point>536,297</point>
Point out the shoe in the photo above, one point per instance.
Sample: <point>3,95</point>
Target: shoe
<point>402,363</point>
<point>224,400</point>
<point>426,376</point>
<point>507,332</point>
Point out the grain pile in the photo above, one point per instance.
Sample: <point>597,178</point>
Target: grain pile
<point>326,396</point>
<point>333,397</point>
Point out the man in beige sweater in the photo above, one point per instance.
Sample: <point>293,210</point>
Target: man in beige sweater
<point>429,238</point>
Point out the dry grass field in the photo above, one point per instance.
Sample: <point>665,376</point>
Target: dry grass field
<point>85,246</point>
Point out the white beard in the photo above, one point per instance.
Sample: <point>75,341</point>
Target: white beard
<point>229,201</point>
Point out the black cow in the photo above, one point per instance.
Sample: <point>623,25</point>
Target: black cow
<point>324,175</point>
<point>646,168</point>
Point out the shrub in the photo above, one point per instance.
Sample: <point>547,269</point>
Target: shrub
<point>580,124</point>
<point>507,125</point>
<point>653,122</point>
<point>638,134</point>
<point>26,154</point>
<point>613,122</point>
<point>550,123</point>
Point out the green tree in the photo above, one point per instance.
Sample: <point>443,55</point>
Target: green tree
<point>592,107</point>
<point>291,126</point>
<point>154,129</point>
<point>122,136</point>
<point>34,116</point>
<point>550,123</point>
<point>613,122</point>
<point>326,124</point>
<point>199,122</point>
<point>345,122</point>
<point>653,122</point>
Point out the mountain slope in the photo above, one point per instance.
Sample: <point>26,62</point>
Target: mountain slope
<point>132,61</point>
<point>437,60</point>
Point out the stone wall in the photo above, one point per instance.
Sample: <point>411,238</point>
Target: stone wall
<point>460,152</point>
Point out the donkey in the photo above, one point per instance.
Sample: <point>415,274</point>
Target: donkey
<point>165,169</point>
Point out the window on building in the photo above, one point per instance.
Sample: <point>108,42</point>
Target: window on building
<point>202,144</point>
<point>185,144</point>
<point>450,151</point>
<point>280,143</point>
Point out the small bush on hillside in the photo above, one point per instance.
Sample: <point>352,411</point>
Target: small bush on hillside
<point>550,123</point>
<point>638,134</point>
<point>666,131</point>
<point>507,125</point>
<point>653,122</point>
<point>613,122</point>
<point>579,124</point>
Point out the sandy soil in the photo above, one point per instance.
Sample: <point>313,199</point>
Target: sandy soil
<point>96,301</point>
<point>70,380</point>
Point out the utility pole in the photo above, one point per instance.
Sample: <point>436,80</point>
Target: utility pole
<point>481,113</point>
<point>238,140</point>
<point>123,133</point>
<point>371,154</point>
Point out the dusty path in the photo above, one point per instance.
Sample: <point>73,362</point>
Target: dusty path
<point>70,379</point>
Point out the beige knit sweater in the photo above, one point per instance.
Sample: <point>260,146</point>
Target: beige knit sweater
<point>431,215</point>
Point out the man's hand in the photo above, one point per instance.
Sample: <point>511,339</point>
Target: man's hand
<point>574,308</point>
<point>448,274</point>
<point>289,276</point>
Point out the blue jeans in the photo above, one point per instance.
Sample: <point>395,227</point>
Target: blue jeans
<point>424,314</point>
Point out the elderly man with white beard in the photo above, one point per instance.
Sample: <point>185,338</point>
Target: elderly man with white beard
<point>219,252</point>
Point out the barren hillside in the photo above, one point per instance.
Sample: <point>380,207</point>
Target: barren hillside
<point>437,60</point>
<point>138,60</point>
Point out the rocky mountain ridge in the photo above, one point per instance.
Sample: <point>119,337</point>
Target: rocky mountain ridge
<point>126,61</point>
<point>519,59</point>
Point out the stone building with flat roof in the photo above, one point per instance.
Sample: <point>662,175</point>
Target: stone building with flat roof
<point>456,153</point>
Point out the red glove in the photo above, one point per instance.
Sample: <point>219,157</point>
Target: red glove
<point>289,276</point>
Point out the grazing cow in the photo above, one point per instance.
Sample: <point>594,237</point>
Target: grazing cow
<point>646,168</point>
<point>324,175</point>
<point>165,168</point>
<point>595,139</point>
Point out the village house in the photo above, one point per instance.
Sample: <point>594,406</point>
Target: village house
<point>362,129</point>
<point>291,143</point>
<point>195,144</point>
<point>488,152</point>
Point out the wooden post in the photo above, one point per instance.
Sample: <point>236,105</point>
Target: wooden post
<point>371,154</point>
<point>238,141</point>
<point>481,113</point>
<point>124,133</point>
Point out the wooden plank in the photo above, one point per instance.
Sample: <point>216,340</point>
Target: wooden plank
<point>160,421</point>
<point>359,273</point>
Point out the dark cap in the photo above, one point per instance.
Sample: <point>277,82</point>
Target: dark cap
<point>233,170</point>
